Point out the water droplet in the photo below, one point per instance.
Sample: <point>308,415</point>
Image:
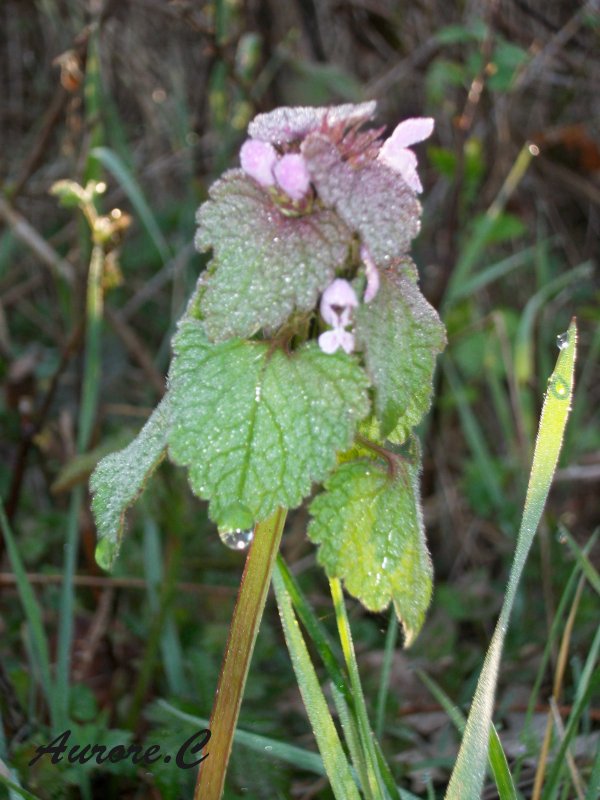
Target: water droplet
<point>237,538</point>
<point>562,340</point>
<point>268,747</point>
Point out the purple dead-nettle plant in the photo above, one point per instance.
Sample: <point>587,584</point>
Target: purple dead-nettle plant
<point>306,355</point>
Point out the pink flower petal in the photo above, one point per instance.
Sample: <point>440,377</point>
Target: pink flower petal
<point>338,295</point>
<point>257,160</point>
<point>292,175</point>
<point>403,161</point>
<point>328,341</point>
<point>372,274</point>
<point>397,158</point>
<point>346,340</point>
<point>413,130</point>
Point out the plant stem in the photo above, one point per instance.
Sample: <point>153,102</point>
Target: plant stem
<point>245,623</point>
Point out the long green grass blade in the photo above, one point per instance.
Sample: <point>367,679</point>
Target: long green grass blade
<point>556,627</point>
<point>468,775</point>
<point>330,747</point>
<point>496,754</point>
<point>386,670</point>
<point>315,629</point>
<point>18,790</point>
<point>334,665</point>
<point>376,784</point>
<point>111,161</point>
<point>593,790</point>
<point>265,745</point>
<point>588,682</point>
<point>588,569</point>
<point>33,615</point>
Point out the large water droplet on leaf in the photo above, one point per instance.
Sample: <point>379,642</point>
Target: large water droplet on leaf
<point>236,539</point>
<point>236,526</point>
<point>105,553</point>
<point>562,340</point>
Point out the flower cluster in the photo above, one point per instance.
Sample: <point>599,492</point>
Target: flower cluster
<point>337,191</point>
<point>261,161</point>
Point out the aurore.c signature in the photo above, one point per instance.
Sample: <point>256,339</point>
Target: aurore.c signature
<point>136,753</point>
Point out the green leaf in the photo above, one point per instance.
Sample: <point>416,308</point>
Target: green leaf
<point>255,425</point>
<point>370,529</point>
<point>371,198</point>
<point>119,479</point>
<point>266,265</point>
<point>402,335</point>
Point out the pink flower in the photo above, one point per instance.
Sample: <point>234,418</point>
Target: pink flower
<point>260,161</point>
<point>395,151</point>
<point>371,272</point>
<point>292,175</point>
<point>337,303</point>
<point>257,160</point>
<point>338,337</point>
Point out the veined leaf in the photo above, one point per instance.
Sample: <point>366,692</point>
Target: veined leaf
<point>402,335</point>
<point>266,265</point>
<point>371,199</point>
<point>257,426</point>
<point>119,479</point>
<point>370,528</point>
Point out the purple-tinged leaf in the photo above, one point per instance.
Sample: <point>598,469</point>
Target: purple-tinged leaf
<point>370,197</point>
<point>401,334</point>
<point>288,124</point>
<point>267,264</point>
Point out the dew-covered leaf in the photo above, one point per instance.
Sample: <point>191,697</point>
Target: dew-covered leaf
<point>266,264</point>
<point>369,526</point>
<point>288,124</point>
<point>256,426</point>
<point>370,197</point>
<point>401,334</point>
<point>119,479</point>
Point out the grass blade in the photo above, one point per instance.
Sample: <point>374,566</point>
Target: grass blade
<point>111,161</point>
<point>467,777</point>
<point>588,569</point>
<point>33,615</point>
<point>589,681</point>
<point>386,669</point>
<point>376,785</point>
<point>496,755</point>
<point>332,752</point>
<point>297,756</point>
<point>18,790</point>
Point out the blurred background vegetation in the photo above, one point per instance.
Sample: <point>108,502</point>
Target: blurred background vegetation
<point>153,98</point>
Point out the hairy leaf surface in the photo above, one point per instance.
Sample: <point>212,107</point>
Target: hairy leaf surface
<point>401,334</point>
<point>371,198</point>
<point>287,124</point>
<point>266,265</point>
<point>256,426</point>
<point>370,529</point>
<point>119,479</point>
